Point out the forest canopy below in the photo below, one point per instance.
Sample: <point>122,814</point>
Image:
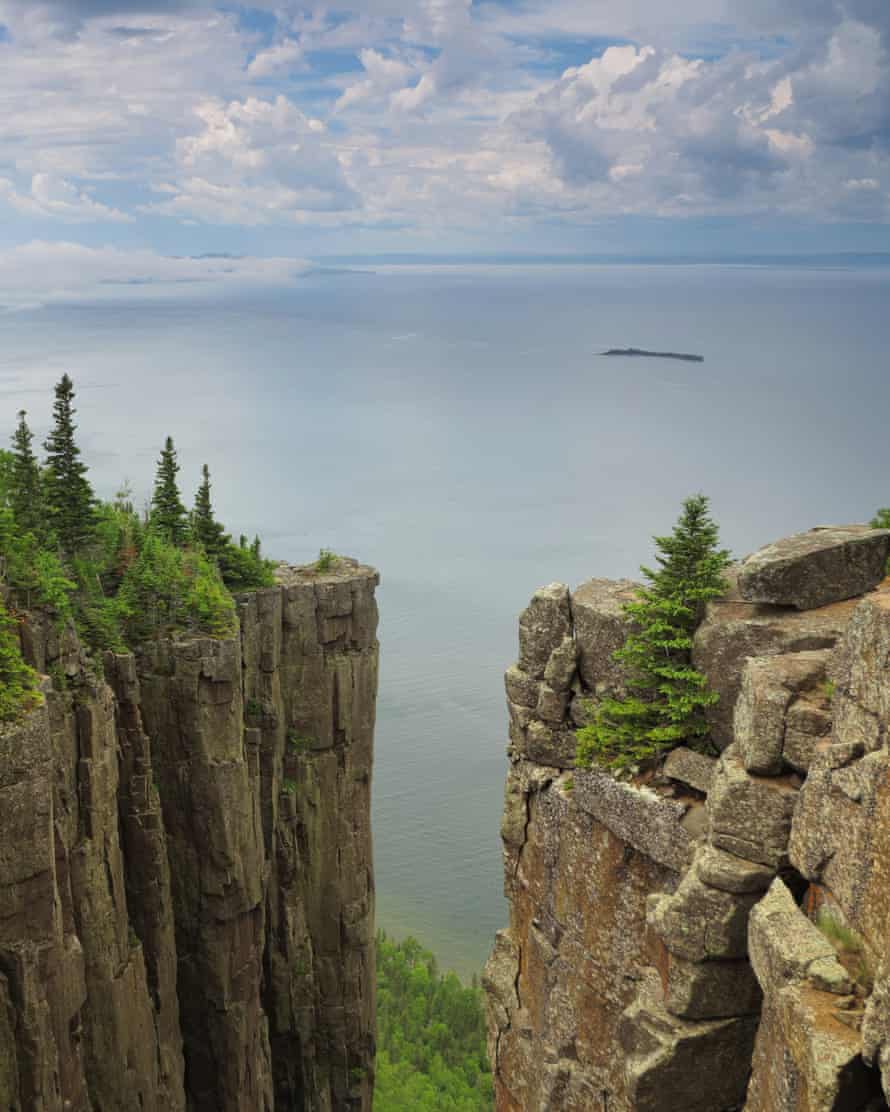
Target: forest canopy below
<point>431,1054</point>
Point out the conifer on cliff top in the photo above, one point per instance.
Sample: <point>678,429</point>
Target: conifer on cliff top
<point>168,513</point>
<point>24,487</point>
<point>209,533</point>
<point>667,697</point>
<point>69,496</point>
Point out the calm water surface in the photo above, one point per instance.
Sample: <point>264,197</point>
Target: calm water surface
<point>453,427</point>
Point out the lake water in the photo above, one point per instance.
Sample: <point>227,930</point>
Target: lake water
<point>452,426</point>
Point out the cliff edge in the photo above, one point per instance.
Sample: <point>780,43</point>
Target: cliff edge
<point>186,880</point>
<point>715,934</point>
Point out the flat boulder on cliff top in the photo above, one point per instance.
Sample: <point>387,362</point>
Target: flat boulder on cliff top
<point>816,568</point>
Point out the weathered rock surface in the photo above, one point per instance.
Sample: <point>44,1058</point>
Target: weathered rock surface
<point>734,630</point>
<point>656,958</point>
<point>695,770</point>
<point>698,922</point>
<point>560,978</point>
<point>675,1064</point>
<point>805,1056</point>
<point>601,627</point>
<point>817,567</point>
<point>782,706</point>
<point>186,885</point>
<point>543,626</point>
<point>750,816</point>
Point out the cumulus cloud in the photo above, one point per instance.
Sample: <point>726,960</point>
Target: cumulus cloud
<point>438,114</point>
<point>647,130</point>
<point>59,200</point>
<point>42,273</point>
<point>284,55</point>
<point>255,162</point>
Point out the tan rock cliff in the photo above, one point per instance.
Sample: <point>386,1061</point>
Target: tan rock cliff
<point>663,951</point>
<point>186,881</point>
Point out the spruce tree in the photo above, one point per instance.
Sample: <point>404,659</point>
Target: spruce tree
<point>667,697</point>
<point>24,493</point>
<point>69,496</point>
<point>206,530</point>
<point>168,514</point>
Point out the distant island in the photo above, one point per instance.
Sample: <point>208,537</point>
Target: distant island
<point>655,354</point>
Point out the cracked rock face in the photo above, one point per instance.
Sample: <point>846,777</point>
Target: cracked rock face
<point>656,958</point>
<point>186,877</point>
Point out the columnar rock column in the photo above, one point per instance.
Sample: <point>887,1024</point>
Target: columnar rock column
<point>310,680</point>
<point>186,879</point>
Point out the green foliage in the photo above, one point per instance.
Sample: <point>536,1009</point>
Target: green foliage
<point>18,682</point>
<point>840,936</point>
<point>298,743</point>
<point>667,698</point>
<point>431,1054</point>
<point>36,575</point>
<point>68,495</point>
<point>167,589</point>
<point>290,786</point>
<point>881,520</point>
<point>7,463</point>
<point>327,560</point>
<point>828,689</point>
<point>25,495</point>
<point>97,616</point>
<point>168,516</point>
<point>243,567</point>
<point>206,530</point>
<point>119,578</point>
<point>849,948</point>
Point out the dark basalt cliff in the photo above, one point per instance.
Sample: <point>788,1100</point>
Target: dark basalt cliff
<point>186,883</point>
<point>665,951</point>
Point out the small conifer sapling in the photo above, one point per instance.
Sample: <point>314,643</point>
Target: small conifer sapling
<point>666,697</point>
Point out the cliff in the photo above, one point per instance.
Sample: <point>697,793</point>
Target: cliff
<point>715,934</point>
<point>186,883</point>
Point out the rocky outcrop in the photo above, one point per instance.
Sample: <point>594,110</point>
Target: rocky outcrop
<point>815,568</point>
<point>715,934</point>
<point>186,884</point>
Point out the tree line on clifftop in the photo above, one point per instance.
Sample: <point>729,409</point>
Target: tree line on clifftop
<point>119,576</point>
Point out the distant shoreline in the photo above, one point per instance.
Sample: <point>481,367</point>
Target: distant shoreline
<point>688,358</point>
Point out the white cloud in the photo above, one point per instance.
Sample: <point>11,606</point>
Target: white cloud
<point>284,55</point>
<point>382,76</point>
<point>42,273</point>
<point>58,199</point>
<point>256,162</point>
<point>458,117</point>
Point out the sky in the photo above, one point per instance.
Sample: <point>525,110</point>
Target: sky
<point>202,145</point>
